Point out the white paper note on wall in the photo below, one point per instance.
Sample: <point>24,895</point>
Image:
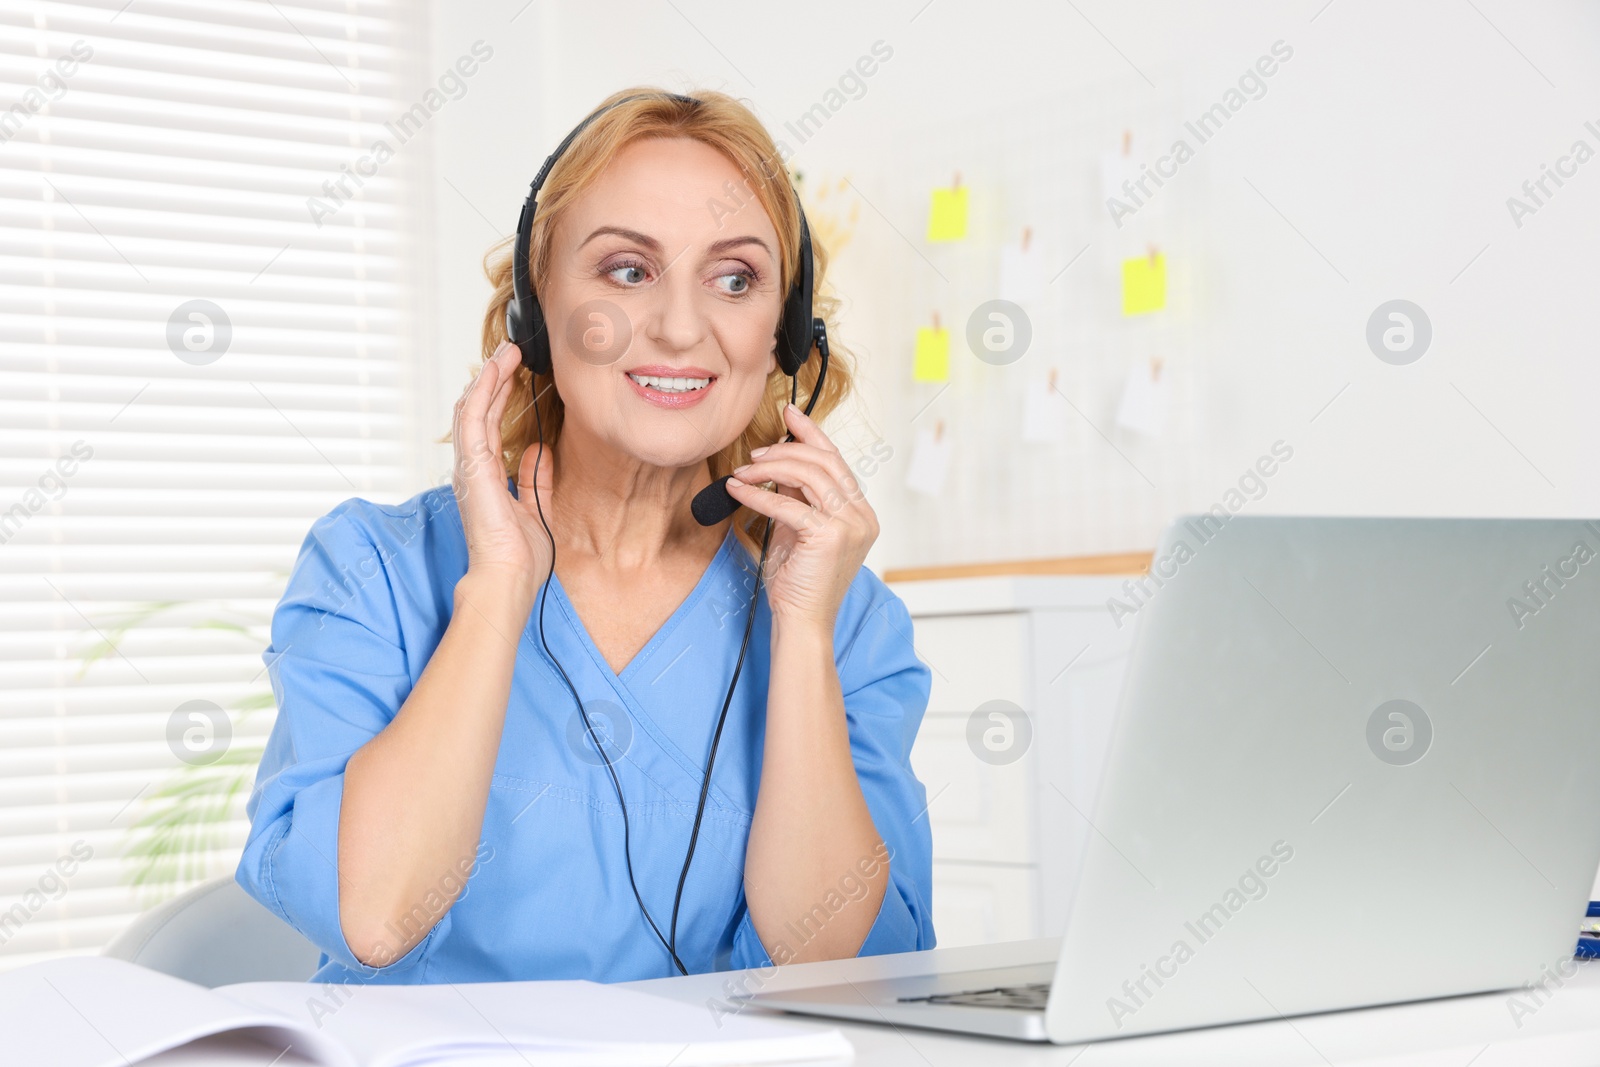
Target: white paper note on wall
<point>930,462</point>
<point>1021,273</point>
<point>1144,400</point>
<point>1043,421</point>
<point>1115,169</point>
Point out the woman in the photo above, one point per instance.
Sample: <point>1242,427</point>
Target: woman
<point>434,804</point>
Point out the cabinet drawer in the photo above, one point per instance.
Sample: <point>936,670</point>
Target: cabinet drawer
<point>976,810</point>
<point>982,905</point>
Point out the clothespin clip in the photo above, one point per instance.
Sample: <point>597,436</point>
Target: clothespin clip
<point>955,182</point>
<point>1154,252</point>
<point>1155,368</point>
<point>1027,234</point>
<point>1052,379</point>
<point>1127,142</point>
<point>938,431</point>
<point>936,320</point>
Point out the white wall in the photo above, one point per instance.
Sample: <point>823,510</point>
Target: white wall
<point>1376,166</point>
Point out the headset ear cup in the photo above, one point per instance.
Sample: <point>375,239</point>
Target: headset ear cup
<point>792,349</point>
<point>795,331</point>
<point>524,316</point>
<point>525,329</point>
<point>534,359</point>
<point>514,331</point>
<point>536,353</point>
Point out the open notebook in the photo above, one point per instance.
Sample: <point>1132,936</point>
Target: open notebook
<point>92,1011</point>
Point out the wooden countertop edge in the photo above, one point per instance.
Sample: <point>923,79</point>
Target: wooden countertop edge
<point>1116,563</point>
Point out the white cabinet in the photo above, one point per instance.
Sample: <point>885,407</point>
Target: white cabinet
<point>980,812</point>
<point>1026,676</point>
<point>974,905</point>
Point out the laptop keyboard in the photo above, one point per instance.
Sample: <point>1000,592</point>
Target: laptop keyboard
<point>1031,997</point>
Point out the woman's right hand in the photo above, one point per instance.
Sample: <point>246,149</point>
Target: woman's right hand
<point>503,532</point>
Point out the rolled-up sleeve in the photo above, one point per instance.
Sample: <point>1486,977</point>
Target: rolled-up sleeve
<point>886,690</point>
<point>339,673</point>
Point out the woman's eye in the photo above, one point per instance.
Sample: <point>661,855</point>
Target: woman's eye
<point>636,273</point>
<point>742,278</point>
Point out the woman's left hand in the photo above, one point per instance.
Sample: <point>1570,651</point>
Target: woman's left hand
<point>824,523</point>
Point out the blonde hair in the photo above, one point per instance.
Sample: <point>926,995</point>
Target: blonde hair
<point>731,128</point>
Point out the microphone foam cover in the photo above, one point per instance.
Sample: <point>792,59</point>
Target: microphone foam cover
<point>713,503</point>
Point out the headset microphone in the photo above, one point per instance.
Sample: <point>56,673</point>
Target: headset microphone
<point>714,503</point>
<point>798,331</point>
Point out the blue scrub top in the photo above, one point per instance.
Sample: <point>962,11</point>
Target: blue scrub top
<point>368,601</point>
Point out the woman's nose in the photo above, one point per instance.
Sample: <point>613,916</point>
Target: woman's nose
<point>677,315</point>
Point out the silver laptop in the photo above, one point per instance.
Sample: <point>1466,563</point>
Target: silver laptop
<point>1353,765</point>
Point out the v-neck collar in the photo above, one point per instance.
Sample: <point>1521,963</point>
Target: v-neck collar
<point>558,594</point>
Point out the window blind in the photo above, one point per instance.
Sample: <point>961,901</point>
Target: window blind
<point>203,323</point>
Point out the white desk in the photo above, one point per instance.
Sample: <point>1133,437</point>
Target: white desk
<point>1565,1032</point>
<point>1473,1031</point>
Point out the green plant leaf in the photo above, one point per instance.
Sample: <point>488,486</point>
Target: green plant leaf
<point>182,822</point>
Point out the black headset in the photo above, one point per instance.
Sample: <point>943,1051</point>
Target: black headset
<point>525,325</point>
<point>798,330</point>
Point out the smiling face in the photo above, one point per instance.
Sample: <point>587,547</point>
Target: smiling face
<point>662,313</point>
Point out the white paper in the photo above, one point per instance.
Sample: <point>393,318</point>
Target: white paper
<point>1144,402</point>
<point>1042,414</point>
<point>534,1023</point>
<point>1021,273</point>
<point>1116,168</point>
<point>930,463</point>
<point>97,1011</point>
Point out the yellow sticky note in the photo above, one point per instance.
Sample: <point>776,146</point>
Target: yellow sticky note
<point>947,219</point>
<point>1144,284</point>
<point>932,362</point>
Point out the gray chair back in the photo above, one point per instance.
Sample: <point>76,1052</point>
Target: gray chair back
<point>217,934</point>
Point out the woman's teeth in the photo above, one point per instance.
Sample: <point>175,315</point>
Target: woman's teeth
<point>670,385</point>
